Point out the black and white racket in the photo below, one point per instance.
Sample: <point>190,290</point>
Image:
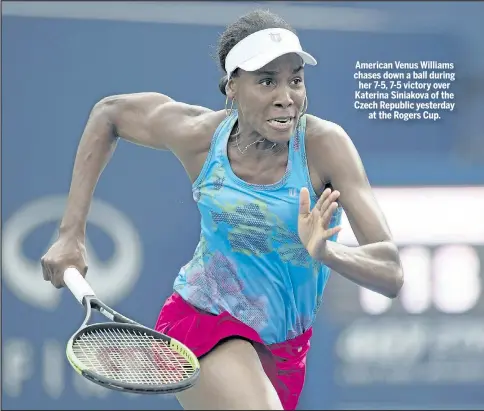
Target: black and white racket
<point>124,355</point>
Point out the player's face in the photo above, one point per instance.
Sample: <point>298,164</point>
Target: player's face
<point>270,100</point>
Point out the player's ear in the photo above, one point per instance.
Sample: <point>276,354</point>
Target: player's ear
<point>231,88</point>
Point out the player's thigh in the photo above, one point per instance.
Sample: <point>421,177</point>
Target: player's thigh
<point>231,377</point>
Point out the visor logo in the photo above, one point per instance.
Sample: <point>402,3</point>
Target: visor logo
<point>276,37</point>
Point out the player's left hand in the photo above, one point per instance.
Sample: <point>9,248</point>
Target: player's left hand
<point>313,225</point>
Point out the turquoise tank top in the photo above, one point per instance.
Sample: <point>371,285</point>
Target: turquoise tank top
<point>250,261</point>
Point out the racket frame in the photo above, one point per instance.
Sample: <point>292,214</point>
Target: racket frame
<point>90,302</point>
<point>136,388</point>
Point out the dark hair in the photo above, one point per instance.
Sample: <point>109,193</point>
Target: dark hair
<point>246,25</point>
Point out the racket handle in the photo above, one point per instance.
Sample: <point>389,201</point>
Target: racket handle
<point>76,283</point>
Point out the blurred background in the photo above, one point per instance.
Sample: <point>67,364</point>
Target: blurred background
<point>424,350</point>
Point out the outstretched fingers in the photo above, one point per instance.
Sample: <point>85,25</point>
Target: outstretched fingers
<point>304,202</point>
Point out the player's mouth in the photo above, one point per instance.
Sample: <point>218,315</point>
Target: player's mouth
<point>281,123</point>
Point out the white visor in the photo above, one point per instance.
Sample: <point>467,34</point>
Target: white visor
<point>262,47</point>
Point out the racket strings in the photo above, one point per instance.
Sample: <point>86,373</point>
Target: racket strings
<point>131,357</point>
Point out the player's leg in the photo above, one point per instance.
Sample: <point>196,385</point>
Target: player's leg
<point>231,378</point>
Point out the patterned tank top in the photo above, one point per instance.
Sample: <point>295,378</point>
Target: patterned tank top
<point>250,261</point>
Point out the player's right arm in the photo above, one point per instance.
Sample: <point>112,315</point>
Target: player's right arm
<point>151,119</point>
<point>148,119</point>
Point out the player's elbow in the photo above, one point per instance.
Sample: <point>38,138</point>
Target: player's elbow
<point>396,276</point>
<point>394,271</point>
<point>397,280</point>
<point>110,111</point>
<point>108,106</point>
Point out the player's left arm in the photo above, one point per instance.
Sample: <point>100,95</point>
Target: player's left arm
<point>375,263</point>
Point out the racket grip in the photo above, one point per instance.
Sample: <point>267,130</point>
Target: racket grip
<point>77,285</point>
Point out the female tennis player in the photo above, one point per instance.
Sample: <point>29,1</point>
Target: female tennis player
<point>270,182</point>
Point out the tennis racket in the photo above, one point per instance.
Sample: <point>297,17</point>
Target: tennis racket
<point>124,355</point>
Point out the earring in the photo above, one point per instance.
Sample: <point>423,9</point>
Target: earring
<point>305,106</point>
<point>228,112</point>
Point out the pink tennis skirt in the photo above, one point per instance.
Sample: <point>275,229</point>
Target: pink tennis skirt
<point>284,363</point>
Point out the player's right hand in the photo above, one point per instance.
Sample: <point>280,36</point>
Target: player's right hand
<point>64,253</point>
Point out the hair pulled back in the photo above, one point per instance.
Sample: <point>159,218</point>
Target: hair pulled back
<point>245,26</point>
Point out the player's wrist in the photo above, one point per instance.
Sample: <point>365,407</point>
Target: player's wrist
<point>73,232</point>
<point>325,253</point>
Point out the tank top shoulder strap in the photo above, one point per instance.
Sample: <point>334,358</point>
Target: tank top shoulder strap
<point>217,144</point>
<point>300,168</point>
